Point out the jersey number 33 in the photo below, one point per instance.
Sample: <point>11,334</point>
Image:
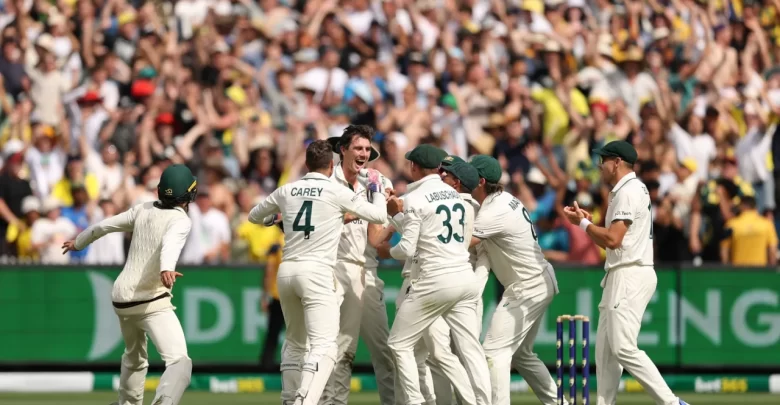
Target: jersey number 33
<point>453,222</point>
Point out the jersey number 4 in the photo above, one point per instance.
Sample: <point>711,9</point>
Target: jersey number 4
<point>450,233</point>
<point>304,214</point>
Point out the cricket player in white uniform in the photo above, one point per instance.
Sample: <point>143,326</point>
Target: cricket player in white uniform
<point>142,292</point>
<point>438,368</point>
<point>355,151</point>
<point>462,177</point>
<point>312,215</point>
<point>434,227</point>
<point>503,226</point>
<point>630,280</point>
<point>374,326</point>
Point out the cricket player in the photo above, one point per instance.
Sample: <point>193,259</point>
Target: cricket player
<point>142,292</point>
<point>374,327</point>
<point>445,285</point>
<point>312,216</point>
<point>463,178</point>
<point>355,151</point>
<point>630,280</point>
<point>503,226</point>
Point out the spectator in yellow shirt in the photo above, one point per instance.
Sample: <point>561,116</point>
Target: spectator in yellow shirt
<point>751,239</point>
<point>31,207</point>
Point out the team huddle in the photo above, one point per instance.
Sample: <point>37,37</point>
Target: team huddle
<point>456,225</point>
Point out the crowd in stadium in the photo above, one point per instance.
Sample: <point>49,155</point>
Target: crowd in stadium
<point>98,96</point>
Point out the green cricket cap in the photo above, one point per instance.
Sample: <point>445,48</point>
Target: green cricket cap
<point>487,167</point>
<point>464,172</point>
<point>618,149</point>
<point>451,159</point>
<point>177,184</point>
<point>426,156</point>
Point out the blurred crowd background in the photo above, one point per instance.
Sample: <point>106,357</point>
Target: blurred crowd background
<point>98,96</point>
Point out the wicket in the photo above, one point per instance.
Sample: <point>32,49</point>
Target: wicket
<point>573,358</point>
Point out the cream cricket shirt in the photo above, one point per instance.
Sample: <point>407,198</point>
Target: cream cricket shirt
<point>354,235</point>
<point>629,201</point>
<point>158,238</point>
<point>505,228</point>
<point>471,212</point>
<point>312,212</point>
<point>372,261</point>
<point>434,225</point>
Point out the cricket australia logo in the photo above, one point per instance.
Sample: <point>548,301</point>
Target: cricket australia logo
<point>168,191</point>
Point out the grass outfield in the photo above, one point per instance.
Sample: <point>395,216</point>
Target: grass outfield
<point>368,398</point>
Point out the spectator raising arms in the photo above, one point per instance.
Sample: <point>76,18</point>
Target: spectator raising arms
<point>98,97</point>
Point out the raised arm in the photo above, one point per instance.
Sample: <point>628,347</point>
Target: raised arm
<point>118,223</point>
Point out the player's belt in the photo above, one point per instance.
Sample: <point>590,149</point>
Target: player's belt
<point>125,305</point>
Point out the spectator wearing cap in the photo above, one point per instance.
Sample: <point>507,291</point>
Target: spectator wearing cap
<point>751,240</point>
<point>714,206</point>
<point>91,116</point>
<point>50,232</point>
<point>13,190</point>
<point>31,208</point>
<point>629,83</point>
<point>48,84</point>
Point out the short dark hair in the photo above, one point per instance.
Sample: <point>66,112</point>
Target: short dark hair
<point>319,154</point>
<point>355,131</point>
<point>749,201</point>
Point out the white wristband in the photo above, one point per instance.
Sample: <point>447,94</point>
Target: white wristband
<point>584,224</point>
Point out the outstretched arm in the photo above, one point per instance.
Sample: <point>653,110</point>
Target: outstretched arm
<point>123,222</point>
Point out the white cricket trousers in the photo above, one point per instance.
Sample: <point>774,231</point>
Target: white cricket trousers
<point>164,329</point>
<point>307,291</point>
<point>437,366</point>
<point>439,335</point>
<point>627,291</point>
<point>362,314</point>
<point>509,341</point>
<point>452,296</point>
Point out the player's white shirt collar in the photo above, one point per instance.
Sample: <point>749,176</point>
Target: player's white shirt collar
<point>338,174</point>
<point>413,186</point>
<point>623,181</point>
<point>315,175</point>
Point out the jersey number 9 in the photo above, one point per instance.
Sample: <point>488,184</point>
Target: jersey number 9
<point>450,234</point>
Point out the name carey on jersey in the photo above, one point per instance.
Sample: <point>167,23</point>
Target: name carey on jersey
<point>306,192</point>
<point>443,195</point>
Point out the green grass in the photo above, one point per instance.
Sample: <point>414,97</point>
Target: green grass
<point>367,398</point>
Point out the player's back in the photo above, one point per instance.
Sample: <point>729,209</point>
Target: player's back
<point>508,234</point>
<point>313,219</point>
<point>442,217</point>
<point>140,278</point>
